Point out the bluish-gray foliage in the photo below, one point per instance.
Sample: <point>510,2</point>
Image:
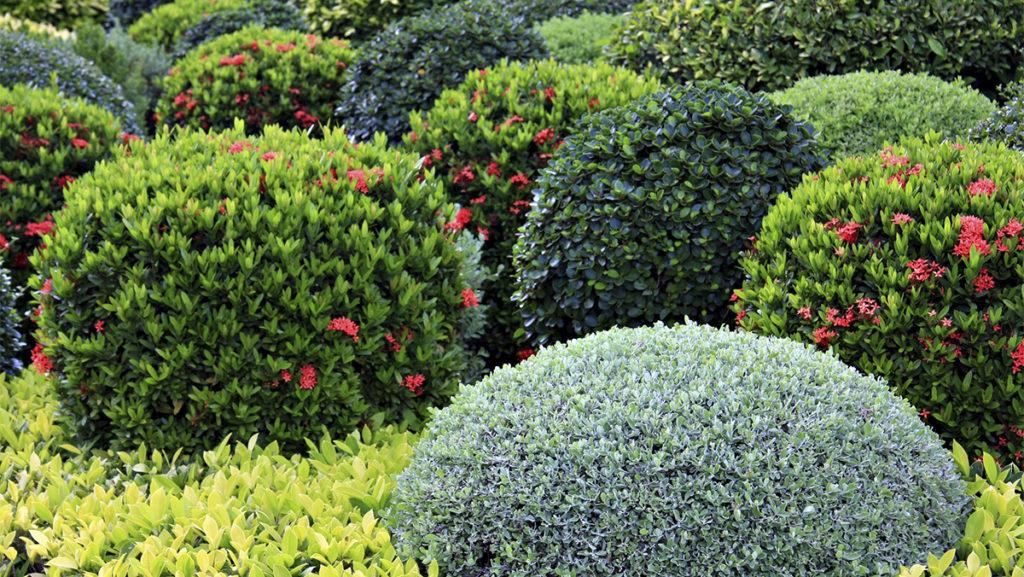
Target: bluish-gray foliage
<point>676,452</point>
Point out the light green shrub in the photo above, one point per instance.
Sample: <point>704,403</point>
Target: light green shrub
<point>581,39</point>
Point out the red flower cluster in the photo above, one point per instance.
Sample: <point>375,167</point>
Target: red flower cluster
<point>520,180</point>
<point>344,325</point>
<point>414,383</point>
<point>307,377</point>
<point>1011,230</point>
<point>982,186</point>
<point>469,299</point>
<point>1017,356</point>
<point>921,270</point>
<point>823,336</point>
<point>236,60</point>
<point>42,363</point>
<point>525,354</point>
<point>900,218</point>
<point>972,235</point>
<point>79,143</point>
<point>984,281</point>
<point>544,136</point>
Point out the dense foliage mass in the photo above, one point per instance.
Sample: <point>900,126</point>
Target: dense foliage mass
<point>32,28</point>
<point>490,137</point>
<point>38,63</point>
<point>769,45</point>
<point>261,76</point>
<point>215,284</point>
<point>666,451</point>
<point>907,265</point>
<point>858,113</point>
<point>537,11</point>
<point>165,24</point>
<point>405,67</point>
<point>1005,125</point>
<point>581,39</point>
<point>12,345</point>
<point>126,12</point>
<point>60,13</point>
<point>360,19</point>
<point>645,210</point>
<point>280,14</point>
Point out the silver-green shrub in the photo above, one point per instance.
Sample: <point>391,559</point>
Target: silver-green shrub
<point>677,452</point>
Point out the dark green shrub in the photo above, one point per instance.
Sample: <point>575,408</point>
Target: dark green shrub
<point>581,39</point>
<point>537,11</point>
<point>677,452</point>
<point>907,265</point>
<point>644,211</point>
<point>216,283</point>
<point>261,76</point>
<point>60,13</point>
<point>858,113</point>
<point>359,19</point>
<point>279,14</point>
<point>494,133</point>
<point>165,24</point>
<point>406,66</point>
<point>126,12</point>
<point>768,45</point>
<point>11,343</point>
<point>38,63</point>
<point>135,67</point>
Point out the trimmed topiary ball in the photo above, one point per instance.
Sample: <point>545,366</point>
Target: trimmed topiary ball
<point>29,60</point>
<point>218,283</point>
<point>858,113</point>
<point>677,452</point>
<point>768,45</point>
<point>907,265</point>
<point>492,136</point>
<point>126,12</point>
<point>645,210</point>
<point>280,14</point>
<point>582,39</point>
<point>165,24</point>
<point>407,66</point>
<point>262,76</point>
<point>61,13</point>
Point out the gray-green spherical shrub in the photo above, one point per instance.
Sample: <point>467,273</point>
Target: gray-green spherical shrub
<point>858,113</point>
<point>677,452</point>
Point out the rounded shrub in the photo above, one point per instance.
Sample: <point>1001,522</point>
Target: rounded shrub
<point>43,64</point>
<point>360,19</point>
<point>671,451</point>
<point>858,113</point>
<point>645,210</point>
<point>261,76</point>
<point>493,134</point>
<point>907,265</point>
<point>581,39</point>
<point>280,14</point>
<point>126,12</point>
<point>769,45</point>
<point>165,24</point>
<point>60,13</point>
<point>537,11</point>
<point>406,66</point>
<point>217,283</point>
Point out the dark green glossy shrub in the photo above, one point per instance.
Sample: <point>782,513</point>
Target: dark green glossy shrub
<point>769,45</point>
<point>406,66</point>
<point>280,14</point>
<point>908,265</point>
<point>677,452</point>
<point>493,135</point>
<point>126,12</point>
<point>360,19</point>
<point>537,11</point>
<point>39,63</point>
<point>645,209</point>
<point>261,76</point>
<point>581,39</point>
<point>218,283</point>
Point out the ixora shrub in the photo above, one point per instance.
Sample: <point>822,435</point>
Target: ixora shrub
<point>360,18</point>
<point>406,66</point>
<point>645,210</point>
<point>280,14</point>
<point>858,113</point>
<point>665,451</point>
<point>166,23</point>
<point>769,45</point>
<point>490,137</point>
<point>272,285</point>
<point>42,64</point>
<point>906,264</point>
<point>581,39</point>
<point>259,75</point>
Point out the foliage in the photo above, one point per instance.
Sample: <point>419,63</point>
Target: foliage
<point>405,67</point>
<point>60,13</point>
<point>213,284</point>
<point>493,134</point>
<point>668,451</point>
<point>907,265</point>
<point>135,67</point>
<point>11,342</point>
<point>360,19</point>
<point>31,28</point>
<point>42,64</point>
<point>1005,126</point>
<point>768,45</point>
<point>126,12</point>
<point>860,112</point>
<point>239,509</point>
<point>279,14</point>
<point>261,76</point>
<point>645,210</point>
<point>582,39</point>
<point>537,11</point>
<point>165,24</point>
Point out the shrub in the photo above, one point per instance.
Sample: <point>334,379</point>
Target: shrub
<point>11,343</point>
<point>645,209</point>
<point>859,113</point>
<point>135,67</point>
<point>262,76</point>
<point>906,266</point>
<point>1005,126</point>
<point>769,45</point>
<point>166,23</point>
<point>360,19</point>
<point>47,31</point>
<point>581,39</point>
<point>37,63</point>
<point>406,66</point>
<point>279,14</point>
<point>493,135</point>
<point>537,11</point>
<point>270,285</point>
<point>126,12</point>
<point>665,451</point>
<point>60,13</point>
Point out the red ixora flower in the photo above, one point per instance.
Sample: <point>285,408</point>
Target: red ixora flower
<point>462,218</point>
<point>972,231</point>
<point>236,60</point>
<point>900,218</point>
<point>286,376</point>
<point>473,117</point>
<point>47,287</point>
<point>542,137</point>
<point>983,186</point>
<point>286,47</point>
<point>469,299</point>
<point>239,146</point>
<point>268,156</point>
<point>925,413</point>
<point>519,179</point>
<point>79,143</point>
<point>307,377</point>
<point>42,363</point>
<point>414,383</point>
<point>100,326</point>
<point>493,170</point>
<point>359,177</point>
<point>804,313</point>
<point>849,231</point>
<point>922,269</point>
<point>41,228</point>
<point>549,93</point>
<point>984,281</point>
<point>823,336</point>
<point>1017,356</point>
<point>345,325</point>
<point>525,354</point>
<point>464,175</point>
